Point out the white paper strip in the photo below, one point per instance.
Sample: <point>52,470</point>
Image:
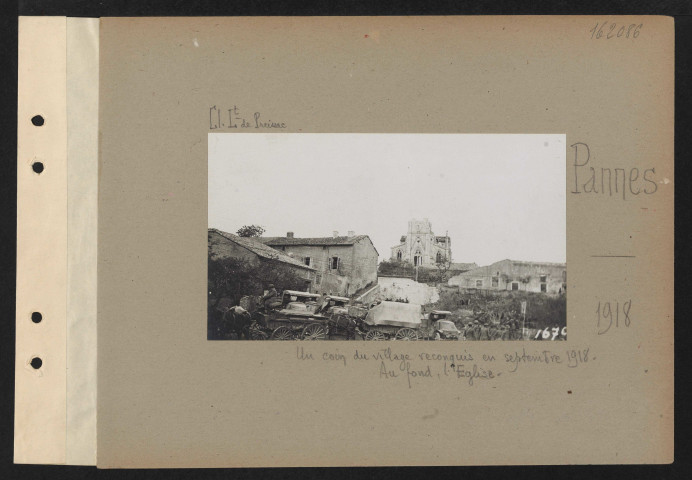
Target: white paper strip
<point>82,202</point>
<point>40,393</point>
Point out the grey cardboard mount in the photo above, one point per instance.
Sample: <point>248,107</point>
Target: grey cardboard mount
<point>163,396</point>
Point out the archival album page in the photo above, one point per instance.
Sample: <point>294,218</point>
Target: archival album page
<point>371,241</point>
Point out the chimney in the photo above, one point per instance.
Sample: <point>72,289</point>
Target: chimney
<point>289,234</point>
<point>351,233</point>
<point>335,234</point>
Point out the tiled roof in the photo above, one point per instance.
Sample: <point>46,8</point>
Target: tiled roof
<point>260,249</point>
<point>279,241</point>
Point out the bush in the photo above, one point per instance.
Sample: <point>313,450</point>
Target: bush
<point>541,311</point>
<point>451,300</point>
<point>396,268</point>
<point>250,231</point>
<point>429,274</point>
<point>234,278</point>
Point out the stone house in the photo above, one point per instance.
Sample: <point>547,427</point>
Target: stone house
<point>421,247</point>
<point>227,245</point>
<point>514,275</point>
<point>344,265</point>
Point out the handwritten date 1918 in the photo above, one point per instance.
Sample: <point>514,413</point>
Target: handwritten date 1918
<point>610,30</point>
<point>577,357</point>
<point>607,314</point>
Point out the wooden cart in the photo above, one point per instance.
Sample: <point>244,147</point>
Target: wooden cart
<point>392,321</point>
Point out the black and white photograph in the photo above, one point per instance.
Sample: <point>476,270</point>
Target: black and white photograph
<point>403,237</point>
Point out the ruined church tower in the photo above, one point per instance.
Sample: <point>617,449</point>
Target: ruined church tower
<point>421,247</point>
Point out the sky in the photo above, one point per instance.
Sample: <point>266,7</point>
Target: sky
<point>497,196</point>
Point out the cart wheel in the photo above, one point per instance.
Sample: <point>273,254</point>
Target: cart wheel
<point>257,334</point>
<point>408,334</point>
<point>375,335</point>
<point>282,333</point>
<point>314,331</point>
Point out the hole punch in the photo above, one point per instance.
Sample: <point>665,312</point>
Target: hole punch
<point>37,120</point>
<point>37,167</point>
<point>36,362</point>
<point>36,317</point>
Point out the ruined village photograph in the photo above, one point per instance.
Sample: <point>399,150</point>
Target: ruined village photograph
<point>387,237</point>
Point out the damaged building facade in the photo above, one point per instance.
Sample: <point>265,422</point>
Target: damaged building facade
<point>421,247</point>
<point>515,275</point>
<point>344,265</point>
<point>227,245</point>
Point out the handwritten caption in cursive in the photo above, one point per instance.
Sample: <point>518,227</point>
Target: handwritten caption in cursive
<point>232,119</point>
<point>608,30</point>
<point>457,366</point>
